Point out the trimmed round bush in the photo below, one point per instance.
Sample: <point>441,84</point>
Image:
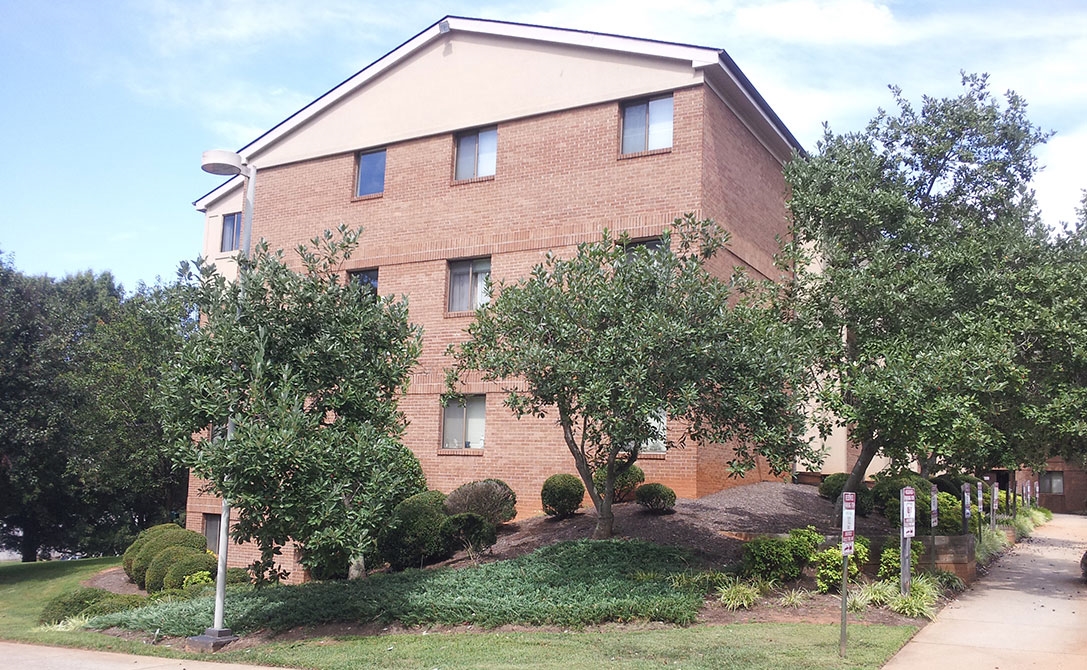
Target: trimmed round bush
<point>470,531</point>
<point>414,535</point>
<point>70,604</point>
<point>655,497</point>
<point>141,539</point>
<point>158,542</point>
<point>190,564</point>
<point>626,482</point>
<point>562,495</point>
<point>161,563</point>
<point>237,576</point>
<point>115,602</point>
<point>492,499</point>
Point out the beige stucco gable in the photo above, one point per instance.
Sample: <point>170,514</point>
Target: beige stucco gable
<point>462,80</point>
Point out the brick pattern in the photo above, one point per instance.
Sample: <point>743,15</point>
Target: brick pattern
<point>560,180</point>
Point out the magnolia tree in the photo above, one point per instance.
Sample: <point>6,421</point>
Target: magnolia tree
<point>620,334</point>
<point>309,369</point>
<point>929,288</point>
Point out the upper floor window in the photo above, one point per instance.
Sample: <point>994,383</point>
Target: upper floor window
<point>647,124</point>
<point>468,284</point>
<point>477,154</point>
<point>371,179</point>
<point>232,232</point>
<point>464,422</point>
<point>366,278</point>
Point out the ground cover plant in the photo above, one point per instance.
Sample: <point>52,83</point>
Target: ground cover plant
<point>567,584</point>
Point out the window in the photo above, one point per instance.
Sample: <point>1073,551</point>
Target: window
<point>232,232</point>
<point>468,284</point>
<point>211,531</point>
<point>463,423</point>
<point>366,278</point>
<point>477,154</point>
<point>647,125</point>
<point>1052,483</point>
<point>657,446</point>
<point>371,174</point>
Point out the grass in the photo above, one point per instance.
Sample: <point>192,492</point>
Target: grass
<point>747,646</point>
<point>25,588</point>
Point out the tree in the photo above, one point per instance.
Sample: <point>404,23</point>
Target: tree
<point>620,334</point>
<point>911,241</point>
<point>74,475</point>
<point>308,368</point>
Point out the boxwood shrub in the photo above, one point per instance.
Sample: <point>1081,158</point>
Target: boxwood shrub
<point>158,542</point>
<point>189,564</point>
<point>655,497</point>
<point>162,562</point>
<point>137,544</point>
<point>626,482</point>
<point>415,534</point>
<point>562,495</point>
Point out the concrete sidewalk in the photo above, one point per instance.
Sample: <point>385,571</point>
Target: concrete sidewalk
<point>1030,611</point>
<point>13,655</point>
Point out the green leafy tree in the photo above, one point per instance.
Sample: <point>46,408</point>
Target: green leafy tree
<point>309,369</point>
<point>76,474</point>
<point>619,334</point>
<point>911,242</point>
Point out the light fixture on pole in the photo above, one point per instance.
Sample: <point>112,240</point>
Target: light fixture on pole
<point>227,163</point>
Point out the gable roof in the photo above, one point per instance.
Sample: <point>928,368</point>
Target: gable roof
<point>722,75</point>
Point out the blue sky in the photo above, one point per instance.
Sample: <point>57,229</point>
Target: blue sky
<point>107,105</point>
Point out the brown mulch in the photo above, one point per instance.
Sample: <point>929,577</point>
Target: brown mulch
<point>713,528</point>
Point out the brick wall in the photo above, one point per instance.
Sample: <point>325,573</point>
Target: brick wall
<point>559,181</point>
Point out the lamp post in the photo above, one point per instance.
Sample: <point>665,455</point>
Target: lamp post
<point>227,163</point>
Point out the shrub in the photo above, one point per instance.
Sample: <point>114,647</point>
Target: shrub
<point>471,531</point>
<point>491,499</point>
<point>189,564</point>
<point>832,487</point>
<point>948,581</point>
<point>890,561</point>
<point>626,482</point>
<point>562,495</point>
<point>197,579</point>
<point>158,542</point>
<point>137,544</point>
<point>237,576</point>
<point>779,559</point>
<point>886,489</point>
<point>828,565</point>
<point>414,534</point>
<point>71,604</point>
<point>655,497</point>
<point>949,512</point>
<point>114,602</point>
<point>991,545</point>
<point>163,561</point>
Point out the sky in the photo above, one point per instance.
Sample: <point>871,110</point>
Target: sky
<point>107,105</point>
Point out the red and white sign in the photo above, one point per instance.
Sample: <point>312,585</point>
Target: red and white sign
<point>909,512</point>
<point>849,519</point>
<point>934,511</point>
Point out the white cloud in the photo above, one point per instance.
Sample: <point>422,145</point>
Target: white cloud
<point>1059,186</point>
<point>821,22</point>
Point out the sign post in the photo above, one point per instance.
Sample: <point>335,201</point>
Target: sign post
<point>981,510</point>
<point>934,517</point>
<point>908,507</point>
<point>994,497</point>
<point>849,517</point>
<point>965,509</point>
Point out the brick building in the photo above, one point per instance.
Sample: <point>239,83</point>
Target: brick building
<point>478,146</point>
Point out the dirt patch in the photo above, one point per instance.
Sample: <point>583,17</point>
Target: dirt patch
<point>115,580</point>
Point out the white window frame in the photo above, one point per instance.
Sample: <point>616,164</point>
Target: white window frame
<point>476,154</point>
<point>468,278</point>
<point>648,124</point>
<point>464,423</point>
<point>234,243</point>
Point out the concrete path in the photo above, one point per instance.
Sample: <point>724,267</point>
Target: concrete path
<point>1030,611</point>
<point>14,655</point>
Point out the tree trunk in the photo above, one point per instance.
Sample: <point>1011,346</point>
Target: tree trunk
<point>605,520</point>
<point>29,545</point>
<point>856,476</point>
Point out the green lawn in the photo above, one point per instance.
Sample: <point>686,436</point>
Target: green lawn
<point>25,588</point>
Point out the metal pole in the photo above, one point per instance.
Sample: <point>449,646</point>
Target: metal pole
<point>845,595</point>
